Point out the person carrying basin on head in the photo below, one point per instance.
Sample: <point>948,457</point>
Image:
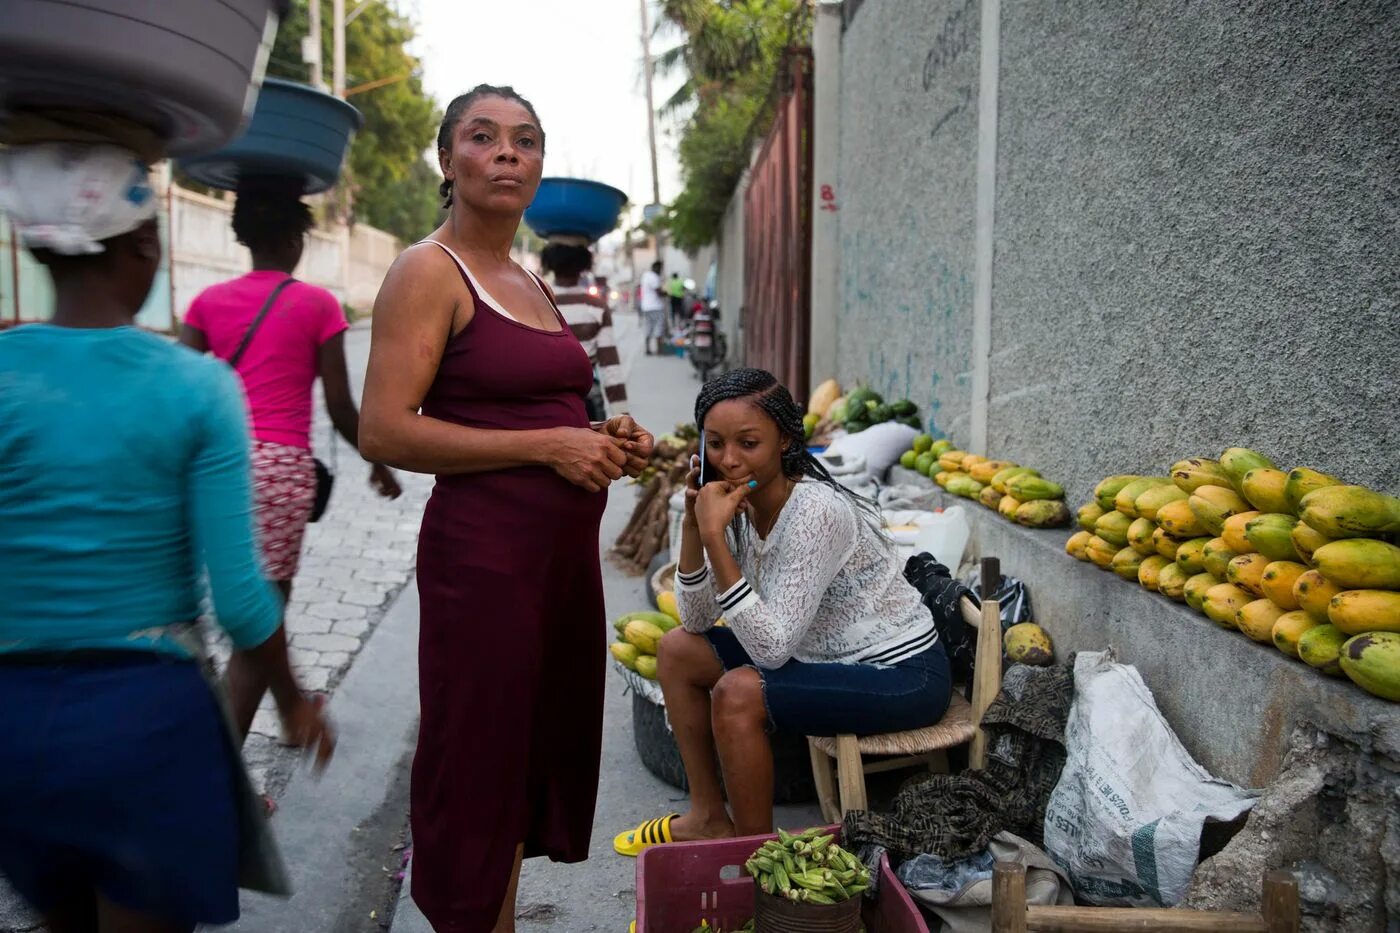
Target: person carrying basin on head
<point>280,335</point>
<point>124,485</point>
<point>587,311</point>
<point>824,635</point>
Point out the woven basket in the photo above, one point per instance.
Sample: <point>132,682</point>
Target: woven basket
<point>663,580</point>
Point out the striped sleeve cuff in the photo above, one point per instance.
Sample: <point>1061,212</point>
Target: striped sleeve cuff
<point>692,581</point>
<point>737,598</point>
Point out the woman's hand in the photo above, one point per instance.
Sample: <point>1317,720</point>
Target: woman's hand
<point>305,725</point>
<point>638,442</point>
<point>716,505</point>
<point>692,491</point>
<point>384,482</point>
<point>591,459</point>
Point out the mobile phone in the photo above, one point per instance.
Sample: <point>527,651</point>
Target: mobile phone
<point>706,476</point>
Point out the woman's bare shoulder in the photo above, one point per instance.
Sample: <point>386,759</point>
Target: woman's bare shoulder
<point>422,275</point>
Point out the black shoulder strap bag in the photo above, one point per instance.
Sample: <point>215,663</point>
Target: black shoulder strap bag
<point>325,479</point>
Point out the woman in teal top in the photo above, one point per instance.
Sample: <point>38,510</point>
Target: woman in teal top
<point>124,479</point>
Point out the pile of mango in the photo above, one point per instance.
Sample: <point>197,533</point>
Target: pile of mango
<point>1298,559</point>
<point>639,633</point>
<point>1017,493</point>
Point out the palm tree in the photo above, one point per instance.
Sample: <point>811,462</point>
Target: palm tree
<point>724,42</point>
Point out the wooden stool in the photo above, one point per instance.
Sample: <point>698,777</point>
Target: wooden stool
<point>1011,914</point>
<point>928,746</point>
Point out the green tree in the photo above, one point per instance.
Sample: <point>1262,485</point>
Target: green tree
<point>730,53</point>
<point>395,189</point>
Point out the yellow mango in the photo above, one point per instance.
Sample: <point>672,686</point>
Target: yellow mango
<point>1314,593</point>
<point>1264,488</point>
<point>1321,647</point>
<point>1196,589</point>
<point>1288,628</point>
<point>1149,502</point>
<point>1078,545</point>
<point>1126,563</point>
<point>1247,572</point>
<point>1179,521</point>
<point>1191,555</point>
<point>1306,541</point>
<point>1223,601</point>
<point>1171,581</point>
<point>984,471</point>
<point>1350,512</point>
<point>1100,552</point>
<point>1149,571</point>
<point>1166,545</point>
<point>1233,532</point>
<point>1213,504</point>
<point>1088,514</point>
<point>1216,555</point>
<point>1360,563</point>
<point>1358,611</point>
<point>1257,619</point>
<point>1140,536</point>
<point>1007,506</point>
<point>1302,481</point>
<point>1190,475</point>
<point>1277,583</point>
<point>1113,528</point>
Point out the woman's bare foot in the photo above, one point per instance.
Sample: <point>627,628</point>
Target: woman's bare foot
<point>692,825</point>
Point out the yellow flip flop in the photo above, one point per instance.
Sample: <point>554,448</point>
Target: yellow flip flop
<point>651,833</point>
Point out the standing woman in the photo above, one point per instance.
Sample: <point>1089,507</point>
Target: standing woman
<point>299,338</point>
<point>475,376</point>
<point>123,481</point>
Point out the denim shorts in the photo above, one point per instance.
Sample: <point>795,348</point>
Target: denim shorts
<point>844,699</point>
<point>117,776</point>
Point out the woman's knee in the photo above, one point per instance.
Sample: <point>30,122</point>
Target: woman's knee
<point>684,656</point>
<point>737,700</point>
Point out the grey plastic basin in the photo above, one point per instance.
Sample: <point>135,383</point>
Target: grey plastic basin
<point>190,69</point>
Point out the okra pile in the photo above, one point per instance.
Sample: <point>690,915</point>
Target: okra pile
<point>808,868</point>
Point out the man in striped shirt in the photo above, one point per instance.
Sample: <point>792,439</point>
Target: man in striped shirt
<point>585,309</point>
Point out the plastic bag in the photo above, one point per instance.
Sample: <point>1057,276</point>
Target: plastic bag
<point>960,893</point>
<point>879,445</point>
<point>1125,819</point>
<point>1012,595</point>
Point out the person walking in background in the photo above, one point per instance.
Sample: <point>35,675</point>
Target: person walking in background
<point>675,290</point>
<point>588,315</point>
<point>279,335</point>
<point>475,376</point>
<point>123,481</point>
<point>653,306</point>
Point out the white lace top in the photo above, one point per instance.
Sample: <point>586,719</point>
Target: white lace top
<point>824,587</point>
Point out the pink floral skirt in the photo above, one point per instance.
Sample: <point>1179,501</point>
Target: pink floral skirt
<point>284,489</point>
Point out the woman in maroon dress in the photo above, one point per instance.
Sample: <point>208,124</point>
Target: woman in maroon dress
<point>474,376</point>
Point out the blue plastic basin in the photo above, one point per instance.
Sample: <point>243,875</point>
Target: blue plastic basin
<point>295,130</point>
<point>574,206</point>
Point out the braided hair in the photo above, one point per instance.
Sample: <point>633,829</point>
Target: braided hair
<point>763,390</point>
<point>269,213</point>
<point>459,106</point>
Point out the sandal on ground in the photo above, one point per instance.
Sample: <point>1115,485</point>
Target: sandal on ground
<point>650,833</point>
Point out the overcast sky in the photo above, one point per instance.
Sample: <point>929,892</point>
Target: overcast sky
<point>577,61</point>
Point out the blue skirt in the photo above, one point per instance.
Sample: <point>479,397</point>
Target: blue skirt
<point>837,699</point>
<point>116,776</point>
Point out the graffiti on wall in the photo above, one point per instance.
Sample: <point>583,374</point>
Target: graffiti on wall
<point>951,42</point>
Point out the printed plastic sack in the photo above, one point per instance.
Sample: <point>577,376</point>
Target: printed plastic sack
<point>960,893</point>
<point>1125,819</point>
<point>1012,596</point>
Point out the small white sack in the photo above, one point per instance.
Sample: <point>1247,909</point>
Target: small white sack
<point>879,445</point>
<point>1125,819</point>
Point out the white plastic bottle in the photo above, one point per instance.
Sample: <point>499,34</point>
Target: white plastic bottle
<point>945,537</point>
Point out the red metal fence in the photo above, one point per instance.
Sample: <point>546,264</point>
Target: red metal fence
<point>778,235</point>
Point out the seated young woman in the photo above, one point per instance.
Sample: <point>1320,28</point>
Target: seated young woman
<point>823,634</point>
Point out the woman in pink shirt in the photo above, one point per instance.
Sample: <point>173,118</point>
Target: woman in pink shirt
<point>301,337</point>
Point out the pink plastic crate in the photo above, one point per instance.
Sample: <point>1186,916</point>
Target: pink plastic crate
<point>682,883</point>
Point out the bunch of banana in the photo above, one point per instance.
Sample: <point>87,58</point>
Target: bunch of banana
<point>808,868</point>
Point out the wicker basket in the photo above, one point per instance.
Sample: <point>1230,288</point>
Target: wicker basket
<point>664,580</point>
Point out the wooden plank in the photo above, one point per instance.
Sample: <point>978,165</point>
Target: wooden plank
<point>986,683</point>
<point>971,614</point>
<point>1281,902</point>
<point>850,778</point>
<point>1133,919</point>
<point>824,782</point>
<point>1008,897</point>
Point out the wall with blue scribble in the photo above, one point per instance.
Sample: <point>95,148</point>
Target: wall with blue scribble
<point>1196,235</point>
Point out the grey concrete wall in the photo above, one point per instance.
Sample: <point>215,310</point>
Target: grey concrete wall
<point>906,202</point>
<point>1196,233</point>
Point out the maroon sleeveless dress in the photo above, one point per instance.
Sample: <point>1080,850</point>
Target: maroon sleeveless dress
<point>512,645</point>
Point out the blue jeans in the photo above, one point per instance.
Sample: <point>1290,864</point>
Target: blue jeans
<point>842,699</point>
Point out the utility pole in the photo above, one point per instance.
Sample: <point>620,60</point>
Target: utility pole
<point>338,26</point>
<point>651,114</point>
<point>312,52</point>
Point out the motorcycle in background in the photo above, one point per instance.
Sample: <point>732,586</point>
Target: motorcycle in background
<point>706,346</point>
